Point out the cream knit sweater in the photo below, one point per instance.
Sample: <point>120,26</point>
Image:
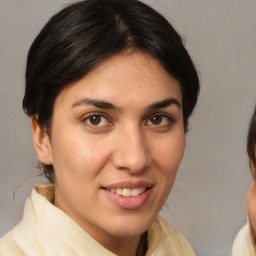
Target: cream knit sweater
<point>45,230</point>
<point>243,244</point>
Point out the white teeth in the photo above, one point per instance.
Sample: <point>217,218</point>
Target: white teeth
<point>128,191</point>
<point>135,192</point>
<point>119,191</point>
<point>141,190</point>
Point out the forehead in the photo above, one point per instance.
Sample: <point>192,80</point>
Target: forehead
<point>124,78</point>
<point>136,63</point>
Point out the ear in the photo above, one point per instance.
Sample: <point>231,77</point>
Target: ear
<point>41,142</point>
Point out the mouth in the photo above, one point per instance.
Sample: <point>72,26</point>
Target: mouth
<point>128,198</point>
<point>128,195</point>
<point>127,192</point>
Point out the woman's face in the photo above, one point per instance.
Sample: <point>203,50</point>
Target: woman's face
<point>251,201</point>
<point>117,139</point>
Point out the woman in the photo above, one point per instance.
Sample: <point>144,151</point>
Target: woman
<point>109,89</point>
<point>245,241</point>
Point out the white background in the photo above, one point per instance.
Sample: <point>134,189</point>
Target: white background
<point>208,200</point>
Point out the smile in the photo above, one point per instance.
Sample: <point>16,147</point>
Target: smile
<point>129,198</point>
<point>127,191</point>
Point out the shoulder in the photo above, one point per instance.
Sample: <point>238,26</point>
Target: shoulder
<point>20,241</point>
<point>14,244</point>
<point>8,246</point>
<point>243,243</point>
<point>23,238</point>
<point>165,240</point>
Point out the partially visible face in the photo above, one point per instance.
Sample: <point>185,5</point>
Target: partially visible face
<point>117,140</point>
<point>251,201</point>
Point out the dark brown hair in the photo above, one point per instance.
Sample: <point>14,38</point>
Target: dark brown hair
<point>82,35</point>
<point>251,139</point>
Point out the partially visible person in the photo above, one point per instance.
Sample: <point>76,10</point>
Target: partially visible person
<point>245,241</point>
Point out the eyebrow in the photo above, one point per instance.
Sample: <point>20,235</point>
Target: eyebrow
<point>164,103</point>
<point>95,102</point>
<point>107,105</point>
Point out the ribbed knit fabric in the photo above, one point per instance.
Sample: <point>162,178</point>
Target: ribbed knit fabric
<point>45,230</point>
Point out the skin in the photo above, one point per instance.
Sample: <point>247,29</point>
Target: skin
<point>130,139</point>
<point>251,201</point>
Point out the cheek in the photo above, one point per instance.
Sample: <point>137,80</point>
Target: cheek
<point>170,154</point>
<point>78,157</point>
<point>251,204</point>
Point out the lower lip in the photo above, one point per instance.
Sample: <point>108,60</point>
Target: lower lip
<point>128,202</point>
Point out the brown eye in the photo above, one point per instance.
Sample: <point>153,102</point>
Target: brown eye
<point>95,120</point>
<point>156,120</point>
<point>160,120</point>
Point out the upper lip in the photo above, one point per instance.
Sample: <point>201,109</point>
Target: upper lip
<point>129,184</point>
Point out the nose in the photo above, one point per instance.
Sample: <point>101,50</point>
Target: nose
<point>131,151</point>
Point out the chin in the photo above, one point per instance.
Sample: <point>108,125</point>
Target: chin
<point>131,226</point>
